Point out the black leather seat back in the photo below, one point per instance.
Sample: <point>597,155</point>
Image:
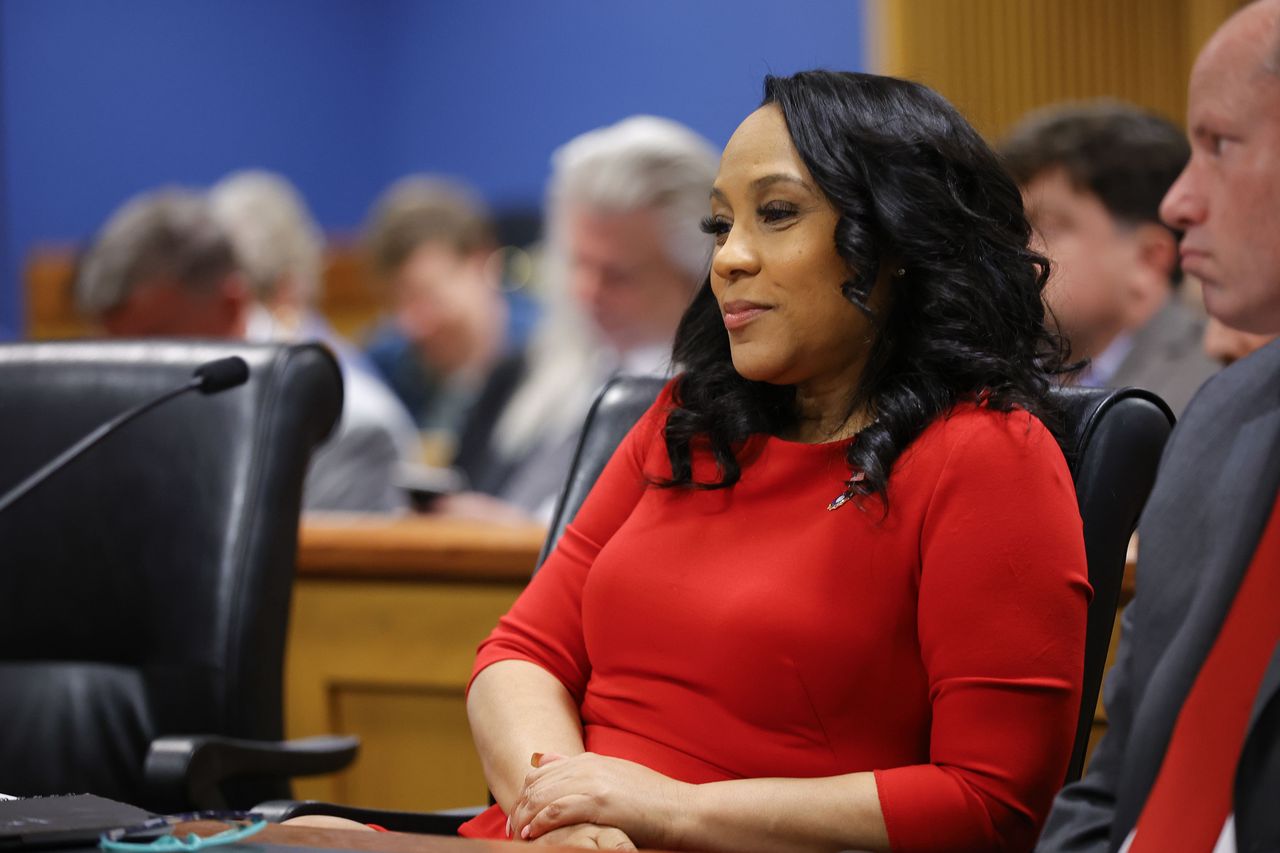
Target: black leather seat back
<point>161,560</point>
<point>617,407</point>
<point>1115,439</point>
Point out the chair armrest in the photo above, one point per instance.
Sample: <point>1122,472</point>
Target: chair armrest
<point>185,771</point>
<point>423,823</point>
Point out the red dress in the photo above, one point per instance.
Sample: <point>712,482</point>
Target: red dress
<point>749,632</point>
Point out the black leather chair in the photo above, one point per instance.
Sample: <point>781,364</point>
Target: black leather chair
<point>1115,441</point>
<point>613,413</point>
<point>144,588</point>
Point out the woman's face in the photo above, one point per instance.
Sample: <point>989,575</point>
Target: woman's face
<point>775,271</point>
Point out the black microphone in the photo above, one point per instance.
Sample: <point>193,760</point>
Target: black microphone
<point>209,378</point>
<point>222,374</point>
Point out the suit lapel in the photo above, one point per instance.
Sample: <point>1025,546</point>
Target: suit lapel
<point>1270,687</point>
<point>1260,737</point>
<point>1244,492</point>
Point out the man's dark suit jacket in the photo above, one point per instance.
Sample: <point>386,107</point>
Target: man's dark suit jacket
<point>1167,356</point>
<point>1214,493</point>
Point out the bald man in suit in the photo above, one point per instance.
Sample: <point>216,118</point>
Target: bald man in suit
<point>1191,759</point>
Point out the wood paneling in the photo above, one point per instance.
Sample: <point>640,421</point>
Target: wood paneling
<point>350,299</point>
<point>997,59</point>
<point>387,615</point>
<point>427,722</point>
<point>389,661</point>
<point>50,305</point>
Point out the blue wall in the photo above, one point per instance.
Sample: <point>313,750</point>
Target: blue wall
<point>102,100</point>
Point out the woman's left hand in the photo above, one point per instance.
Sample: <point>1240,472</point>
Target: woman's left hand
<point>590,788</point>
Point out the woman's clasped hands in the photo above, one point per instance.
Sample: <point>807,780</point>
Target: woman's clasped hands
<point>564,795</point>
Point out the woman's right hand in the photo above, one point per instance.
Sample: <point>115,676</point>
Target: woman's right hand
<point>587,835</point>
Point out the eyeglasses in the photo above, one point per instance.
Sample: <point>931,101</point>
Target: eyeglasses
<point>245,824</point>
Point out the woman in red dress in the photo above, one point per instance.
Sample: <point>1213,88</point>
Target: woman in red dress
<point>830,592</point>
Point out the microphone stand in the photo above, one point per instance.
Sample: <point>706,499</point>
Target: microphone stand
<point>210,378</point>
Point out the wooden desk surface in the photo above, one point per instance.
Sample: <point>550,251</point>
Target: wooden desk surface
<point>416,547</point>
<point>342,839</point>
<point>369,547</point>
<point>373,842</point>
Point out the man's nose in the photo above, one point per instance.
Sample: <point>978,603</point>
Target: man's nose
<point>1184,204</point>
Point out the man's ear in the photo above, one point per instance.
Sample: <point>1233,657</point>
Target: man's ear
<point>1151,257</point>
<point>1157,249</point>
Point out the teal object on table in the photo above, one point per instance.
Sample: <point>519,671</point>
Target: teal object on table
<point>172,844</point>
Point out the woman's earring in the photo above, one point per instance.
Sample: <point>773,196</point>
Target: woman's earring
<point>899,272</point>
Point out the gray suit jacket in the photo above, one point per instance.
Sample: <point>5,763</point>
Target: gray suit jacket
<point>354,471</point>
<point>1168,356</point>
<point>1213,495</point>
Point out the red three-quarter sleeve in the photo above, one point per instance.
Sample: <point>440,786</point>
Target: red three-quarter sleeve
<point>1001,620</point>
<point>544,626</point>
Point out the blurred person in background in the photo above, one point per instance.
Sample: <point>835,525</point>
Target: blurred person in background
<point>1093,175</point>
<point>280,250</point>
<point>431,244</point>
<point>625,257</point>
<point>164,266</point>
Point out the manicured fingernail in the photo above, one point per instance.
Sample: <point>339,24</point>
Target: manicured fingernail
<point>535,759</point>
<point>524,833</point>
<point>508,827</point>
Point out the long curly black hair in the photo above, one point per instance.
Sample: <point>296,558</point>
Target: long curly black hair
<point>915,185</point>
